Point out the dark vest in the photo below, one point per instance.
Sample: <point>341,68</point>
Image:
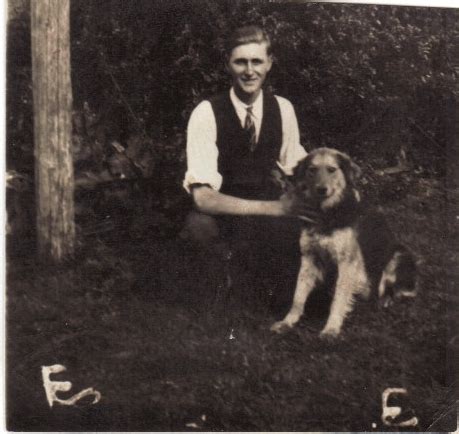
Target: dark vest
<point>247,174</point>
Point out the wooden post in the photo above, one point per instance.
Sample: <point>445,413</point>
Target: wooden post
<point>52,94</point>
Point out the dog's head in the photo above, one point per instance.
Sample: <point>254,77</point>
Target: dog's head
<point>325,177</point>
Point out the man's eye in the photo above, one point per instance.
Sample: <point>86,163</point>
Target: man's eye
<point>257,62</point>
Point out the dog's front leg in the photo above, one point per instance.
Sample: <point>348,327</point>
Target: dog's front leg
<point>307,278</point>
<point>347,284</point>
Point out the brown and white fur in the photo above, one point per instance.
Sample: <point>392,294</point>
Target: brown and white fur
<point>355,242</point>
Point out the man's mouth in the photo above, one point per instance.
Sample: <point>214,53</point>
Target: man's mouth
<point>249,80</point>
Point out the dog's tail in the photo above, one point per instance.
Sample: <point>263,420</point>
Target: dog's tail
<point>399,277</point>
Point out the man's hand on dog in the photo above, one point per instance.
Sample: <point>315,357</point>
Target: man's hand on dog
<point>293,206</point>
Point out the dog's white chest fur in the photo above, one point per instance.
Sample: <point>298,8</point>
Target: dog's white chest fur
<point>344,250</point>
<point>341,244</point>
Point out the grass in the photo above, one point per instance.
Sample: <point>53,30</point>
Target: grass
<point>138,321</point>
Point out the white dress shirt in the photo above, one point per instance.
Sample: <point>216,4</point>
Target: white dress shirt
<point>202,150</point>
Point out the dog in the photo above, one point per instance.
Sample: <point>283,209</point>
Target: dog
<point>346,238</point>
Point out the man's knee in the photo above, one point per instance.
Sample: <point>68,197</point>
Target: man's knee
<point>200,228</point>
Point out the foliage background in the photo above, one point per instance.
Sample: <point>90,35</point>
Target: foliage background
<point>367,79</point>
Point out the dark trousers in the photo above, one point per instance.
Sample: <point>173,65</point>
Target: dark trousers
<point>245,262</point>
<point>265,259</point>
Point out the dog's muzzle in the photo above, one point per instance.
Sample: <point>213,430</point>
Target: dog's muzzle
<point>321,192</point>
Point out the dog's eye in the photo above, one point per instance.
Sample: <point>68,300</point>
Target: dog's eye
<point>312,169</point>
<point>331,169</point>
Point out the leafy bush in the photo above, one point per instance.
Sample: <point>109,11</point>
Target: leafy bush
<point>376,81</point>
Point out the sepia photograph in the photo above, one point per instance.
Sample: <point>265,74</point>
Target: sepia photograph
<point>231,215</point>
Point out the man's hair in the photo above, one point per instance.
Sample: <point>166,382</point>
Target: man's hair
<point>247,35</point>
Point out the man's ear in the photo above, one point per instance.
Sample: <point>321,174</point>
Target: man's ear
<point>226,60</point>
<point>351,170</point>
<point>270,62</point>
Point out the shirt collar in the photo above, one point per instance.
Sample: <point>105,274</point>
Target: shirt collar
<point>241,107</point>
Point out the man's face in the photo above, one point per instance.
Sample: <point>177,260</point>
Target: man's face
<point>248,65</point>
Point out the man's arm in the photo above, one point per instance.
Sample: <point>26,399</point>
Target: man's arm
<point>210,201</point>
<point>292,151</point>
<point>201,149</point>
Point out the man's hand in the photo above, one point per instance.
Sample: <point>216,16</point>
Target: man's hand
<point>294,206</point>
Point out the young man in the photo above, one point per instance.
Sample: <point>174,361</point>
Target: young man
<point>234,141</point>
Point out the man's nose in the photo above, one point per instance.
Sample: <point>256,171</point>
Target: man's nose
<point>249,68</point>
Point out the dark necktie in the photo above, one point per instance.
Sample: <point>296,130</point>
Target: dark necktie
<point>249,126</point>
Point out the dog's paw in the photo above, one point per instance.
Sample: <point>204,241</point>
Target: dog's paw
<point>329,334</point>
<point>280,327</point>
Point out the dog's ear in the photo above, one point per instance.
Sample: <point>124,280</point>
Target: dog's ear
<point>299,172</point>
<point>351,170</point>
<point>281,179</point>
